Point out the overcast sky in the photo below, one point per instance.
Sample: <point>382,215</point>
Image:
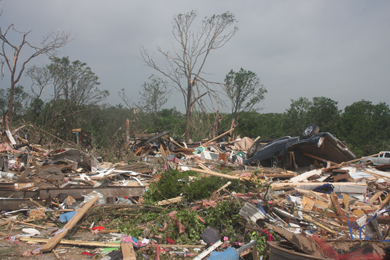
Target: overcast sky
<point>336,49</point>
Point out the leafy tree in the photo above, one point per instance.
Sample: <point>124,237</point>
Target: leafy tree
<point>154,94</point>
<point>74,89</point>
<point>366,127</point>
<point>173,121</point>
<point>186,63</point>
<point>321,110</point>
<point>253,124</point>
<point>20,99</point>
<point>325,113</point>
<point>244,90</point>
<point>297,116</point>
<point>11,53</point>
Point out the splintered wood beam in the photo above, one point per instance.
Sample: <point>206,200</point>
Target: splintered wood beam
<point>71,242</point>
<point>57,238</point>
<point>216,138</point>
<point>319,158</point>
<point>215,174</point>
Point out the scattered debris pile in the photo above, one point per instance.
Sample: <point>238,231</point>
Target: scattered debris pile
<point>189,201</point>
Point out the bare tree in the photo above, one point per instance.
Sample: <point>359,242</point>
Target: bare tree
<point>184,66</point>
<point>10,53</point>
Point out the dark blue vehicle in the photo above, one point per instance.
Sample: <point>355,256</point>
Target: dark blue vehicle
<point>292,152</point>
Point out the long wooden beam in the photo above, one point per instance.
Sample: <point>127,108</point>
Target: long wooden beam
<point>57,238</point>
<point>71,242</point>
<point>216,174</point>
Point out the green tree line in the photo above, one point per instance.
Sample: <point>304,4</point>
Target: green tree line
<point>363,125</point>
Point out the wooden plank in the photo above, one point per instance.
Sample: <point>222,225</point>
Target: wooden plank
<point>215,174</point>
<point>128,251</point>
<point>320,159</point>
<point>307,203</point>
<point>377,173</point>
<point>306,175</point>
<point>216,138</point>
<point>215,193</point>
<point>336,205</point>
<point>375,196</point>
<point>386,200</point>
<point>345,187</point>
<point>111,191</point>
<point>208,250</point>
<point>346,201</point>
<point>71,242</point>
<point>170,201</point>
<point>57,238</point>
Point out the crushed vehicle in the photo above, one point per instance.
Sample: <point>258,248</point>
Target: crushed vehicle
<point>382,158</point>
<point>300,151</point>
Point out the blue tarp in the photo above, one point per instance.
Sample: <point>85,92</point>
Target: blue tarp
<point>67,216</point>
<point>229,254</point>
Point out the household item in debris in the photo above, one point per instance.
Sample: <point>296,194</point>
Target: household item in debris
<point>250,212</point>
<point>210,235</point>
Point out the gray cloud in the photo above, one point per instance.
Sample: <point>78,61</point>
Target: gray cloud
<point>336,49</point>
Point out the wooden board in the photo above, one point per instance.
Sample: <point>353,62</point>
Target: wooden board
<point>71,242</point>
<point>128,251</point>
<point>57,238</point>
<point>345,187</point>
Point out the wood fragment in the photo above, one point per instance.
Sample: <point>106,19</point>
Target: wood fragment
<point>309,219</point>
<point>359,159</point>
<point>320,159</point>
<point>303,243</point>
<point>128,251</point>
<point>215,174</point>
<point>36,203</point>
<point>28,224</point>
<point>386,200</point>
<point>57,238</point>
<point>336,205</point>
<point>208,250</point>
<point>215,193</point>
<point>71,242</point>
<point>216,138</point>
<point>56,254</point>
<point>170,201</point>
<point>346,201</point>
<point>180,246</point>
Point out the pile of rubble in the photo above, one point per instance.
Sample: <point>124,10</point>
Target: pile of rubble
<point>193,201</point>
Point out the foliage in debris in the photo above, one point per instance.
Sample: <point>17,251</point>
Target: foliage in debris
<point>173,183</point>
<point>224,217</point>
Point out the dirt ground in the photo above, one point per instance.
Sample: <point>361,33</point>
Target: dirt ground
<point>9,251</point>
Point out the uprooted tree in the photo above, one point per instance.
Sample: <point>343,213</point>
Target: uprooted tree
<point>185,65</point>
<point>11,54</point>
